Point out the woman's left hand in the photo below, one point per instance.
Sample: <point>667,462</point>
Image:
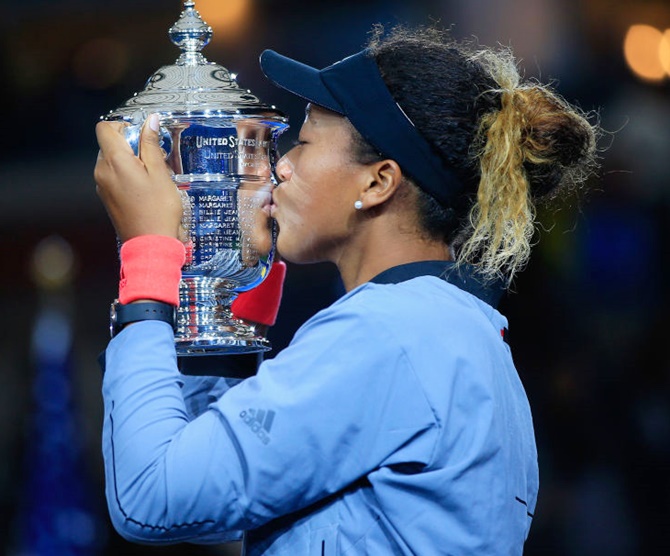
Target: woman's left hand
<point>138,192</point>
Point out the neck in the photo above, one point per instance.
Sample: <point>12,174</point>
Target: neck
<point>378,248</point>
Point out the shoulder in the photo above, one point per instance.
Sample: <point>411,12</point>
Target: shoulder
<point>428,298</point>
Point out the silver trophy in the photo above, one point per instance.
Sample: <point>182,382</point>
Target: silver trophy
<point>220,142</point>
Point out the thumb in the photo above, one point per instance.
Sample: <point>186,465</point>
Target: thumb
<point>150,151</point>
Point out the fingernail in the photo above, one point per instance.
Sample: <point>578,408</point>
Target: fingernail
<point>154,122</point>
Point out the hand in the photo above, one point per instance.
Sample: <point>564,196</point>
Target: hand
<point>138,192</point>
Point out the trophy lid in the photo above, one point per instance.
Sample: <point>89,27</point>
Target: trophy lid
<point>192,86</point>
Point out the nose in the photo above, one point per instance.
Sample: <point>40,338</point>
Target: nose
<point>284,168</point>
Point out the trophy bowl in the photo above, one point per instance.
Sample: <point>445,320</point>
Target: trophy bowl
<point>221,144</point>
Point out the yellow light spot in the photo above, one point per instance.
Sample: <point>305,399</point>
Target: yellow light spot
<point>664,51</point>
<point>228,19</point>
<point>53,263</point>
<point>641,50</point>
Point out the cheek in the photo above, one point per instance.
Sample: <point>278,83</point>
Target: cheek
<point>314,209</point>
<point>305,222</point>
<point>292,200</point>
<point>299,197</point>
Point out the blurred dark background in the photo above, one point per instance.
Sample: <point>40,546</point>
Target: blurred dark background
<point>588,318</point>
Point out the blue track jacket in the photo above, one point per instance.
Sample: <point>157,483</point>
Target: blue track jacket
<point>394,423</point>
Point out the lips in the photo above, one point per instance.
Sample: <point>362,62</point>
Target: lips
<point>272,207</point>
<point>272,212</point>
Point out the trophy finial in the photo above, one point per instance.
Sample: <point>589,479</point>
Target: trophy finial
<point>191,34</point>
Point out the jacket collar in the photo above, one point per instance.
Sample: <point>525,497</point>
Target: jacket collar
<point>464,277</point>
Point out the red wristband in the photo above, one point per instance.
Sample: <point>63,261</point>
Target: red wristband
<point>151,269</point>
<point>261,304</point>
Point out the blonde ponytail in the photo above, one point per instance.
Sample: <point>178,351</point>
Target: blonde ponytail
<point>535,144</point>
<point>502,219</point>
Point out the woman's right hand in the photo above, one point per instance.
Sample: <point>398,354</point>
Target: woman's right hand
<point>138,192</point>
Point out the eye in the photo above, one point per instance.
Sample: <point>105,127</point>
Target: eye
<point>299,143</point>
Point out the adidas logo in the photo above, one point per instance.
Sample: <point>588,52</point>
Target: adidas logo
<point>260,422</point>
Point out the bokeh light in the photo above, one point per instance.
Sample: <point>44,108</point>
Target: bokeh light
<point>641,50</point>
<point>53,263</point>
<point>664,51</point>
<point>229,19</point>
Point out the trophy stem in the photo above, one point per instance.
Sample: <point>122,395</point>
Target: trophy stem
<point>205,323</point>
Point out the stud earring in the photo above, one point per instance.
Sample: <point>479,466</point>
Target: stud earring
<point>358,205</point>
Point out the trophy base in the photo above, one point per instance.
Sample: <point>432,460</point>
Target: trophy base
<point>205,324</point>
<point>240,366</point>
<point>220,346</point>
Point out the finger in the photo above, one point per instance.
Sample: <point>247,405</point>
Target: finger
<point>151,152</point>
<point>111,138</point>
<point>115,157</point>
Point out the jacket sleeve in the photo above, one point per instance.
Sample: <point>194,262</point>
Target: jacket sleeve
<point>339,402</point>
<point>200,392</point>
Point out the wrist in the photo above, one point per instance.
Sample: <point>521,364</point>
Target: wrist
<point>121,314</point>
<point>151,269</point>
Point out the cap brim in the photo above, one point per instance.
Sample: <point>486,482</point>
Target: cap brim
<point>298,78</point>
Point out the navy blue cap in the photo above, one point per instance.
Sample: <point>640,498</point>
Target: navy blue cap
<point>354,88</point>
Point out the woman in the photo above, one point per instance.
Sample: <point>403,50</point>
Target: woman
<point>395,421</point>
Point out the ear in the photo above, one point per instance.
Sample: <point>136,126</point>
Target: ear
<point>383,180</point>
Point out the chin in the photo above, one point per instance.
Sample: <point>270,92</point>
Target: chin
<point>295,253</point>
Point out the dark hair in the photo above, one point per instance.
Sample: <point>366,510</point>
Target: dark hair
<point>521,142</point>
